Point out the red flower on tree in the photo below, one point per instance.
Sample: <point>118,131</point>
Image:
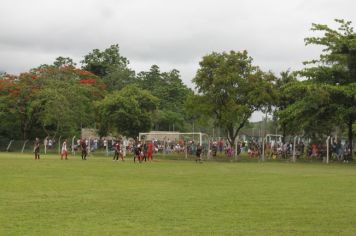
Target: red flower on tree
<point>87,81</point>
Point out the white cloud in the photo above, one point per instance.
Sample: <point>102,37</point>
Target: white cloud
<point>172,34</point>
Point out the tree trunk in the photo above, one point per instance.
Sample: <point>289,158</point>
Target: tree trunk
<point>232,133</point>
<point>230,137</point>
<point>24,129</point>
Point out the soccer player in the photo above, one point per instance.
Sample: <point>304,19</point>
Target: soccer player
<point>145,151</point>
<point>105,144</point>
<point>36,149</point>
<point>198,153</point>
<point>121,150</point>
<point>64,152</point>
<point>150,151</point>
<point>116,151</point>
<point>83,146</point>
<point>137,152</point>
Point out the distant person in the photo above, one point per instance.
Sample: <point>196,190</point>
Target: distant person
<point>314,151</point>
<point>64,151</point>
<point>137,152</point>
<point>95,144</point>
<point>198,153</point>
<point>117,152</point>
<point>84,149</point>
<point>50,144</point>
<point>150,151</point>
<point>145,151</point>
<point>105,144</point>
<point>36,149</point>
<point>122,150</point>
<point>238,149</point>
<point>214,149</point>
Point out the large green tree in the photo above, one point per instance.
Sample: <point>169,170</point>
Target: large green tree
<point>329,94</point>
<point>49,100</point>
<point>283,99</point>
<point>110,66</point>
<point>126,112</point>
<point>63,107</point>
<point>337,67</point>
<point>230,88</point>
<point>169,88</point>
<point>309,111</point>
<point>10,124</point>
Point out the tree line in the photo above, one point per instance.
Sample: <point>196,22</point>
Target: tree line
<point>105,93</point>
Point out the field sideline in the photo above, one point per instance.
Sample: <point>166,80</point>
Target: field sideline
<point>167,197</point>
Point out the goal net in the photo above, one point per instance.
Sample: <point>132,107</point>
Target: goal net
<point>176,142</point>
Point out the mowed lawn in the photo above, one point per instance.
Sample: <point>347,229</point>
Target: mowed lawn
<point>166,197</point>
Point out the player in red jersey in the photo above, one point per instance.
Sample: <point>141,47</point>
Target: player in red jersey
<point>150,151</point>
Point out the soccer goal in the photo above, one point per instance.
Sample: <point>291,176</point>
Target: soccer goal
<point>176,142</point>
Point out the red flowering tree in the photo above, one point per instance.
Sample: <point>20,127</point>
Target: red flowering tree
<point>51,98</point>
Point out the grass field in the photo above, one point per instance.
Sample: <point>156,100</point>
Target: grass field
<point>166,197</point>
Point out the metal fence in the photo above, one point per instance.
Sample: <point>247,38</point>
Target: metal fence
<point>51,146</point>
<point>291,151</point>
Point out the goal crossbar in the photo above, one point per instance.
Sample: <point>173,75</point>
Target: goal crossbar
<point>173,133</point>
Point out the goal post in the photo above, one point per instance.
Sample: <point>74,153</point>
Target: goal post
<point>199,137</point>
<point>178,142</point>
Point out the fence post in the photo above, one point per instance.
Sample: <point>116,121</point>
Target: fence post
<point>294,143</point>
<point>23,146</point>
<point>263,149</point>
<point>90,147</point>
<point>45,144</point>
<point>186,150</point>
<point>235,148</point>
<point>73,151</point>
<point>164,147</point>
<point>8,146</point>
<point>327,150</point>
<point>107,148</point>
<point>124,145</point>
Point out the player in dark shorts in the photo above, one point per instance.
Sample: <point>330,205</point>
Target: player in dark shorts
<point>116,151</point>
<point>198,153</point>
<point>83,146</point>
<point>36,149</point>
<point>145,150</point>
<point>137,152</point>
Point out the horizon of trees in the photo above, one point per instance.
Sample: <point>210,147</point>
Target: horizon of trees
<point>105,93</point>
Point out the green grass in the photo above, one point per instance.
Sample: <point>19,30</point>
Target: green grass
<point>167,197</point>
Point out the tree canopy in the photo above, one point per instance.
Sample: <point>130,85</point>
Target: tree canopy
<point>230,88</point>
<point>169,87</point>
<point>328,91</point>
<point>128,111</point>
<point>50,99</point>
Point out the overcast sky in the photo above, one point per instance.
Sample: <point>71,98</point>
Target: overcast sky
<point>169,33</point>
